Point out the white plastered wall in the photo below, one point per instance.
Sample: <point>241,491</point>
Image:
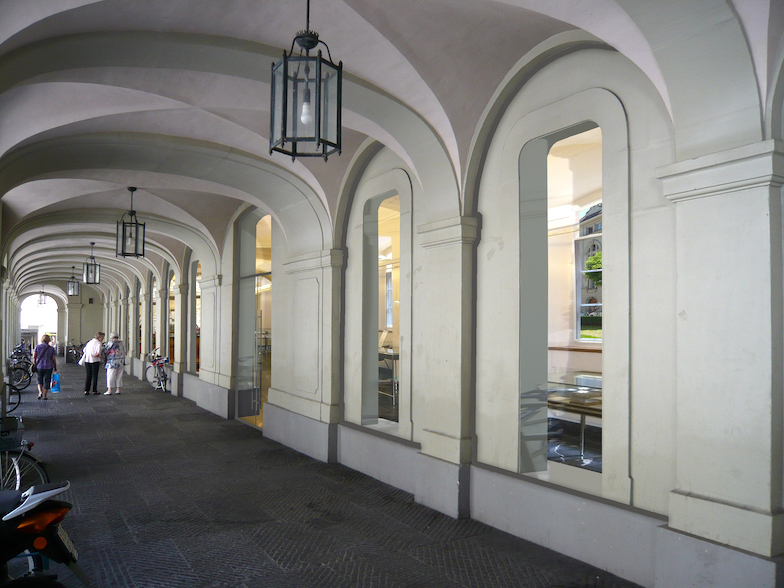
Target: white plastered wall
<point>639,229</point>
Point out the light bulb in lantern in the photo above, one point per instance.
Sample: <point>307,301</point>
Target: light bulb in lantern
<point>307,111</point>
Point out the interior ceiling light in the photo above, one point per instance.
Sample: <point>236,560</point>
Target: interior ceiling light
<point>130,233</point>
<point>305,101</point>
<point>91,270</point>
<point>72,285</point>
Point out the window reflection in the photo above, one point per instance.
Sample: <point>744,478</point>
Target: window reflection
<point>574,223</point>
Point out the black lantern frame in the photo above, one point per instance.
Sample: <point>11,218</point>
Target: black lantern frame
<point>91,270</point>
<point>130,234</point>
<point>42,298</point>
<point>72,285</point>
<point>306,100</point>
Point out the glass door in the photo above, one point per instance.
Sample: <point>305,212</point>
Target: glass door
<point>254,336</point>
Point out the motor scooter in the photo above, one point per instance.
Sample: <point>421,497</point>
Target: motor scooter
<point>30,528</point>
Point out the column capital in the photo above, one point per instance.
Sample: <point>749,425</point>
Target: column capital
<point>211,282</point>
<point>317,260</point>
<point>459,230</point>
<point>759,165</point>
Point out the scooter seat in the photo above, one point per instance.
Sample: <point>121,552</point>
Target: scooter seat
<point>9,500</point>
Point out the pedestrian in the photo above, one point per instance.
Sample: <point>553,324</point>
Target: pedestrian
<point>115,363</point>
<point>45,364</point>
<point>91,360</point>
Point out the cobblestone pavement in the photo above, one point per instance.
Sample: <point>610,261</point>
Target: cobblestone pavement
<point>166,494</point>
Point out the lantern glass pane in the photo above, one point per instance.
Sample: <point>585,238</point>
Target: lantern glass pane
<point>91,273</point>
<point>330,103</point>
<point>140,240</point>
<point>130,239</point>
<point>73,288</point>
<point>278,100</point>
<point>118,247</point>
<point>302,85</point>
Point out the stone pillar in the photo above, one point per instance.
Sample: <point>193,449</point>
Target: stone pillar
<point>162,327</point>
<point>132,337</point>
<point>62,325</point>
<point>445,369</point>
<point>730,458</point>
<point>115,310</point>
<point>107,317</point>
<point>73,327</point>
<point>190,353</point>
<point>146,324</point>
<point>180,327</point>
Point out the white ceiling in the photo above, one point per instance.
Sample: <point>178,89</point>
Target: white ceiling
<point>168,95</point>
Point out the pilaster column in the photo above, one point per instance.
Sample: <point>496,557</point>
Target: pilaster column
<point>445,370</point>
<point>209,331</point>
<point>180,327</point>
<point>729,459</point>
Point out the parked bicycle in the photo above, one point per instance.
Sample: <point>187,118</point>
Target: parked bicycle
<point>19,366</point>
<point>18,467</point>
<point>74,352</point>
<point>155,374</point>
<point>19,373</point>
<point>14,398</point>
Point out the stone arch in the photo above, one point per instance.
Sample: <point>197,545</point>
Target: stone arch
<point>382,175</point>
<point>775,107</point>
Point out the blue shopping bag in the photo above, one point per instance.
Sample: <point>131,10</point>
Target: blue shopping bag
<point>55,382</point>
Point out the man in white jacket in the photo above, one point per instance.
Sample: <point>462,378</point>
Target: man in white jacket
<point>91,359</point>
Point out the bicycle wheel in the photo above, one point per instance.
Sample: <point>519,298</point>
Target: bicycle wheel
<point>162,379</point>
<point>151,376</point>
<point>21,378</point>
<point>10,476</point>
<point>14,398</point>
<point>30,471</point>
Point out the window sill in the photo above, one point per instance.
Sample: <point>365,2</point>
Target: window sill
<point>588,348</point>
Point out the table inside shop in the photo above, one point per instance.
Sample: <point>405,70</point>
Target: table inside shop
<point>583,401</point>
<point>386,354</point>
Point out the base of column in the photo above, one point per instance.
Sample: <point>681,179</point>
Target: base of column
<point>684,560</point>
<point>309,436</point>
<point>728,524</point>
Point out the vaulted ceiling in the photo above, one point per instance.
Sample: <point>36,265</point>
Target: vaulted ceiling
<point>172,96</point>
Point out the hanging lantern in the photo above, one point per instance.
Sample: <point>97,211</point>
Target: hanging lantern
<point>305,101</point>
<point>42,298</point>
<point>72,286</point>
<point>130,233</point>
<point>91,270</point>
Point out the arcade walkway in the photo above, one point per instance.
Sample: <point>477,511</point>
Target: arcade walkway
<point>167,495</point>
